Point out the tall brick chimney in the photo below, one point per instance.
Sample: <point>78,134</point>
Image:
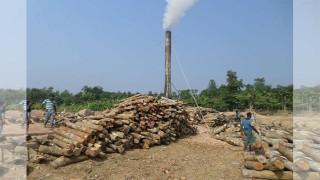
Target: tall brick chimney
<point>167,87</point>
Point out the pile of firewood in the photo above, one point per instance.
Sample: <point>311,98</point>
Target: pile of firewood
<point>229,131</point>
<point>272,156</point>
<point>291,152</point>
<point>218,119</point>
<point>272,153</point>
<point>136,122</point>
<point>197,114</point>
<point>208,116</point>
<point>306,154</point>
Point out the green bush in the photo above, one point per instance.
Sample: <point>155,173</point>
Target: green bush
<point>13,107</point>
<point>94,106</point>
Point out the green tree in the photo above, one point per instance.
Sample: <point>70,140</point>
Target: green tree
<point>66,97</point>
<point>186,96</point>
<point>233,87</point>
<point>207,97</point>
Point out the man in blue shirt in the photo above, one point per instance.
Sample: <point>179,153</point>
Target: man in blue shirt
<point>50,106</point>
<point>247,125</point>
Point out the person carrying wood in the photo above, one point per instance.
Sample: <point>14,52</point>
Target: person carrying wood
<point>50,107</point>
<point>247,125</point>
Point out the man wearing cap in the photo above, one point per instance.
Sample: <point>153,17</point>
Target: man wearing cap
<point>247,125</point>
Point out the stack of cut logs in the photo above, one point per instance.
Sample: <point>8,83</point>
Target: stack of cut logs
<point>217,119</point>
<point>197,114</point>
<point>136,122</point>
<point>306,154</point>
<point>272,155</point>
<point>229,131</point>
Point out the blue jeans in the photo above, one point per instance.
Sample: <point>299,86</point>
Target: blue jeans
<point>50,115</point>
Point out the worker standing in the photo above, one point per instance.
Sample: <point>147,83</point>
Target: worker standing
<point>50,107</point>
<point>24,104</point>
<point>238,116</point>
<point>247,125</point>
<point>253,118</point>
<point>2,110</point>
<point>1,119</point>
<point>29,104</point>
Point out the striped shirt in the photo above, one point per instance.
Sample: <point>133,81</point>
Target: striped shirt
<point>50,105</point>
<point>24,104</point>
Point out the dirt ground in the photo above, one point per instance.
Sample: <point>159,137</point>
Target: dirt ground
<point>310,120</point>
<point>195,157</point>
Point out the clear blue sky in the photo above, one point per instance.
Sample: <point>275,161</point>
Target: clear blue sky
<point>306,43</point>
<point>115,44</point>
<point>13,37</point>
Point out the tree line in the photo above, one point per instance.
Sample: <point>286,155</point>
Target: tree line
<point>232,95</point>
<point>307,99</point>
<point>237,95</point>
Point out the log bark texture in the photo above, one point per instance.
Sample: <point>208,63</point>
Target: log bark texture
<point>55,151</point>
<point>266,174</point>
<point>254,165</point>
<point>63,161</point>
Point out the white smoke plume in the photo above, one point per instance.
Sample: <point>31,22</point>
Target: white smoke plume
<point>175,10</point>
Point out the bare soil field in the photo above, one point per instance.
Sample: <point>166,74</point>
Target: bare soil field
<point>194,157</point>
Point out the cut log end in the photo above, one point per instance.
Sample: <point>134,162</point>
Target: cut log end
<point>301,164</point>
<point>253,165</point>
<point>278,163</point>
